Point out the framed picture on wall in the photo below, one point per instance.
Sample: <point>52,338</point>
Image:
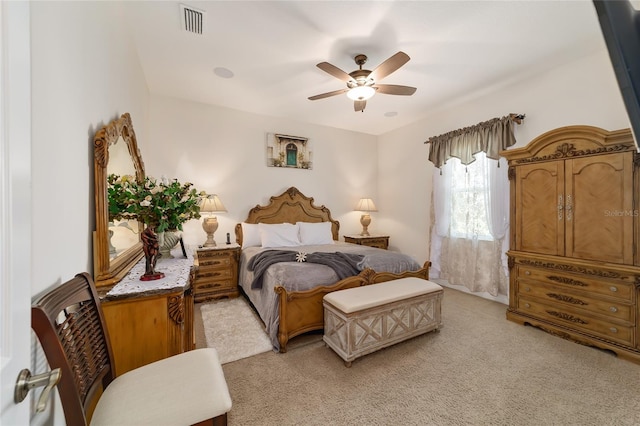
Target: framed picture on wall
<point>289,152</point>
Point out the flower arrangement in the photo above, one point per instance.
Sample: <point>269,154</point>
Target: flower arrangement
<point>162,205</point>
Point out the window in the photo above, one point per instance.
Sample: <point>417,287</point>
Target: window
<point>469,196</point>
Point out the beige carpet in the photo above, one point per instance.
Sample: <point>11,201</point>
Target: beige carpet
<point>231,327</point>
<point>480,369</point>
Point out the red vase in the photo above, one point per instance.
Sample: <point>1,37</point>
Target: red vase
<point>151,250</point>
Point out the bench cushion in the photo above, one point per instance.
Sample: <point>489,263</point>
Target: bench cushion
<point>359,298</point>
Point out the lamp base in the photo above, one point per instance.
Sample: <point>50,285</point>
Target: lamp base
<point>210,242</point>
<point>210,224</point>
<point>365,220</point>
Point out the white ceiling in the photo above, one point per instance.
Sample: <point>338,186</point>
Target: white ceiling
<point>458,50</point>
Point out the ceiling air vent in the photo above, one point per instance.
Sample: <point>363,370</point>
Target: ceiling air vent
<point>192,19</point>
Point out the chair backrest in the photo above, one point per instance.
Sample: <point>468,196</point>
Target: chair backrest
<point>70,326</point>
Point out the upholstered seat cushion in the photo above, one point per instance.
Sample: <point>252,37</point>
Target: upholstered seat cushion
<point>360,298</point>
<point>179,390</point>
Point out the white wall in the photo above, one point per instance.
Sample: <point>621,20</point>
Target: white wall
<point>223,151</point>
<point>85,72</point>
<point>581,92</point>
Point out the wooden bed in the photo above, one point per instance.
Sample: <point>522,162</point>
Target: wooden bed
<point>302,311</point>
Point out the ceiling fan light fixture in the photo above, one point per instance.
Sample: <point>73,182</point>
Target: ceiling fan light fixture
<point>361,93</point>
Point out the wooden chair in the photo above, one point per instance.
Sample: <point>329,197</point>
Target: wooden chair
<point>184,389</point>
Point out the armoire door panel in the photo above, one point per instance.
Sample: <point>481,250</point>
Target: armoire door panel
<point>539,218</point>
<point>599,208</point>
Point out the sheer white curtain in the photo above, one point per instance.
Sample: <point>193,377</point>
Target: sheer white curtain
<point>471,221</point>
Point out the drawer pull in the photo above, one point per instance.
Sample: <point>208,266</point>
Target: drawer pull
<point>527,289</point>
<point>613,309</point>
<point>212,274</point>
<point>213,263</point>
<point>211,285</point>
<point>567,299</point>
<point>613,330</point>
<point>564,280</point>
<point>527,272</point>
<point>526,305</point>
<point>613,289</point>
<point>567,317</point>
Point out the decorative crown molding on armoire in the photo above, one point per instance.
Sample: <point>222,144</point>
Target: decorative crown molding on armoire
<point>575,230</point>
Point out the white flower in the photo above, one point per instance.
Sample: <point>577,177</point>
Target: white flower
<point>164,180</point>
<point>301,257</point>
<point>145,203</point>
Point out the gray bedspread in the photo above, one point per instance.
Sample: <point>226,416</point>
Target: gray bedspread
<point>343,264</point>
<point>299,276</point>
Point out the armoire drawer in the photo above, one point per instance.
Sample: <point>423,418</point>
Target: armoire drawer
<point>575,299</point>
<point>596,285</point>
<point>578,320</point>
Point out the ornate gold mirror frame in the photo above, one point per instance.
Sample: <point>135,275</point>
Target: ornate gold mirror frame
<point>109,269</point>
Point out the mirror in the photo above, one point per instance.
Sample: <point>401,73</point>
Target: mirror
<point>116,244</point>
<point>123,234</point>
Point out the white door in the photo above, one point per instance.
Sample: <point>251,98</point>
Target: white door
<point>15,207</point>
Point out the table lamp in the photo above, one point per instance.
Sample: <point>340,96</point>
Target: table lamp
<point>211,204</point>
<point>365,205</point>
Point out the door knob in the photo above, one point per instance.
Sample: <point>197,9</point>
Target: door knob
<point>26,382</point>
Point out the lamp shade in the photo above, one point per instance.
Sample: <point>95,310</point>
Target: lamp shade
<point>211,203</point>
<point>366,205</point>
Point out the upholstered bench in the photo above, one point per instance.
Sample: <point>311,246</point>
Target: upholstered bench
<point>361,320</point>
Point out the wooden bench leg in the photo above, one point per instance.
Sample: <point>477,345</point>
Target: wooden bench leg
<point>220,420</point>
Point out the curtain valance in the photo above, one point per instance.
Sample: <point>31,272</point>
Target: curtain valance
<point>491,137</point>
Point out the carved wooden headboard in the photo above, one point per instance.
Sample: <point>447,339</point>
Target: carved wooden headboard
<point>289,207</point>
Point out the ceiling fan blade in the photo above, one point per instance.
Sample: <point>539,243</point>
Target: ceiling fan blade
<point>389,66</point>
<point>359,105</point>
<point>334,71</point>
<point>328,94</point>
<point>394,89</point>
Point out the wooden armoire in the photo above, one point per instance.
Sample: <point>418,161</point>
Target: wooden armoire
<point>573,259</point>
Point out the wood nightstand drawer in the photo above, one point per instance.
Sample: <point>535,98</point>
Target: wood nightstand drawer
<point>215,262</point>
<point>208,274</point>
<point>216,285</point>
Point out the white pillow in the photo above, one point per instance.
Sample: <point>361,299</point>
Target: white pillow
<point>250,235</point>
<point>279,235</point>
<point>315,233</point>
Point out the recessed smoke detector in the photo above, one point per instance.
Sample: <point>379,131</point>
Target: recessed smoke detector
<point>192,19</point>
<point>223,72</point>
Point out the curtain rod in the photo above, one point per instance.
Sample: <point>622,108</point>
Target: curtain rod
<point>516,118</point>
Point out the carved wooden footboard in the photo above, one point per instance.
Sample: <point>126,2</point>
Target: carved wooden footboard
<point>302,311</point>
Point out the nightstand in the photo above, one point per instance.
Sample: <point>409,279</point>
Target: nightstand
<point>216,272</point>
<point>379,241</point>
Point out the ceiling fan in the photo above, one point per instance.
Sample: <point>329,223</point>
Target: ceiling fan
<point>363,84</point>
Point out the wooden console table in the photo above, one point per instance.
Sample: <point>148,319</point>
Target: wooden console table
<point>150,320</point>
